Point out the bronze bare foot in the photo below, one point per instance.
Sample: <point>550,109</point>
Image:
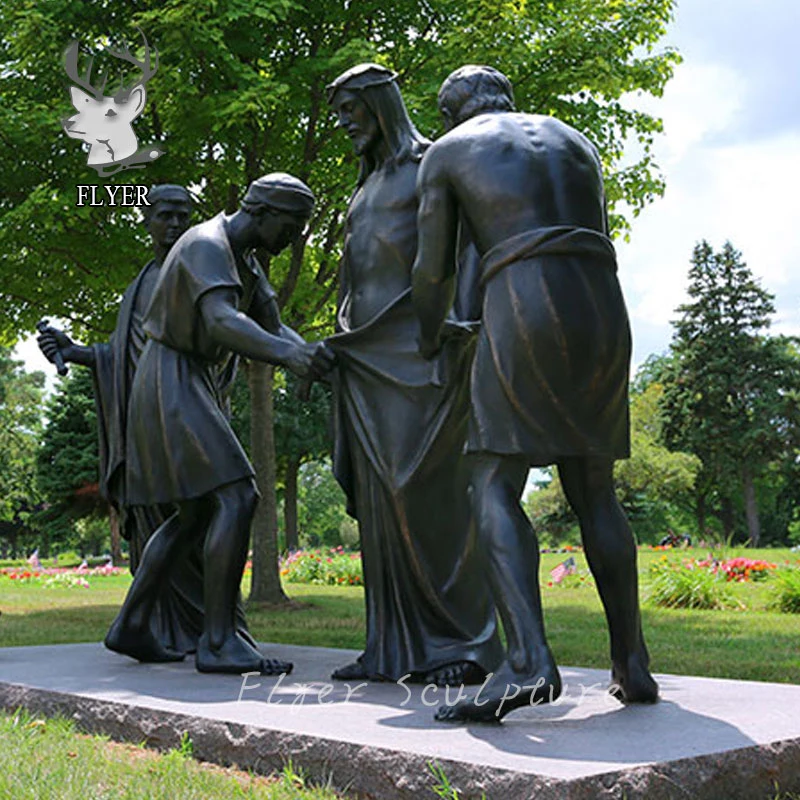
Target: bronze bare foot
<point>506,690</point>
<point>236,656</point>
<point>457,673</point>
<point>632,682</point>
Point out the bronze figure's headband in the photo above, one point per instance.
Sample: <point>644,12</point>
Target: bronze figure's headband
<point>360,77</point>
<point>280,191</point>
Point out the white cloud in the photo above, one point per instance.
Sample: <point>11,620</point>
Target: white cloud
<point>699,102</point>
<point>29,352</point>
<point>743,191</point>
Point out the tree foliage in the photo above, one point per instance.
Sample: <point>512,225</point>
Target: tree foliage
<point>20,427</point>
<point>654,485</point>
<point>240,91</point>
<point>322,505</point>
<point>302,424</point>
<point>731,392</point>
<point>302,433</point>
<point>67,460</point>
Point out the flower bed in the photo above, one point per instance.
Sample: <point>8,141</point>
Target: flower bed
<point>739,569</point>
<point>688,585</point>
<point>693,583</point>
<point>55,577</point>
<point>333,567</point>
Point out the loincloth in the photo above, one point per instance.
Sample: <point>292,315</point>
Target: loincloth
<point>550,376</point>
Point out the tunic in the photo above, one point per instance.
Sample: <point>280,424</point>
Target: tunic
<point>177,616</point>
<point>180,443</point>
<point>550,376</point>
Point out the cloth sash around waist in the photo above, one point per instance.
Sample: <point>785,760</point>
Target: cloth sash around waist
<point>564,240</point>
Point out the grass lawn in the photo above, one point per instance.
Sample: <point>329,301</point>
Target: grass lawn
<point>44,757</point>
<point>50,759</point>
<point>749,644</point>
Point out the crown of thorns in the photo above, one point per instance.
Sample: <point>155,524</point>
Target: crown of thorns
<point>360,77</point>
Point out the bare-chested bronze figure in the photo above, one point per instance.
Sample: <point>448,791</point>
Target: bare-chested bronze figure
<point>401,419</point>
<point>550,377</point>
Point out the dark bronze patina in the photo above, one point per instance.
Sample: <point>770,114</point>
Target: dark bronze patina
<point>212,302</point>
<point>401,420</point>
<point>549,380</point>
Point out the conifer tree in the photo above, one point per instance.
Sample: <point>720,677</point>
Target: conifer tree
<point>731,391</point>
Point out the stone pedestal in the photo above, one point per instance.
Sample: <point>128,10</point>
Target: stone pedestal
<point>706,739</point>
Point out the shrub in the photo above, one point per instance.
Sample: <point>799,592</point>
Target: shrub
<point>330,567</point>
<point>348,533</point>
<point>785,594</point>
<point>70,558</point>
<point>689,585</point>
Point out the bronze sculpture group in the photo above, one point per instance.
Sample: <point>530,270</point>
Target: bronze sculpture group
<point>481,330</point>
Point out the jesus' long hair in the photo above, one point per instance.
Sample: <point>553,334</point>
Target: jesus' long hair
<point>405,142</point>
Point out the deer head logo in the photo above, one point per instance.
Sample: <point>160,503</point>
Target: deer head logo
<point>106,123</point>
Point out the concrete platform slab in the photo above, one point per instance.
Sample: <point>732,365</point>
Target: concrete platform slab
<point>707,738</point>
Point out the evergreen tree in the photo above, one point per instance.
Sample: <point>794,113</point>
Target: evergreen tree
<point>20,428</point>
<point>731,392</point>
<point>67,460</point>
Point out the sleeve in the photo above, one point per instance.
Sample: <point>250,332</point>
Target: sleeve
<point>200,267</point>
<point>204,266</point>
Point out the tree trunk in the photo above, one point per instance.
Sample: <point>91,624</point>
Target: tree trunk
<point>116,539</point>
<point>290,503</point>
<point>726,517</point>
<point>266,585</point>
<point>700,514</point>
<point>751,508</point>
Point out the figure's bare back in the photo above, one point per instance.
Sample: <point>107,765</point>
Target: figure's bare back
<point>513,172</point>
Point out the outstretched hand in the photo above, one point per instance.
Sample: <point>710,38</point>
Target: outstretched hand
<point>311,360</point>
<point>51,341</point>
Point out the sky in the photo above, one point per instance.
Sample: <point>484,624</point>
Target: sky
<point>730,154</point>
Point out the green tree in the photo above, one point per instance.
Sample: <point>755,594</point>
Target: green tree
<point>322,505</point>
<point>731,392</point>
<point>551,516</point>
<point>302,433</point>
<point>67,461</point>
<point>654,485</point>
<point>240,91</point>
<point>20,427</point>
